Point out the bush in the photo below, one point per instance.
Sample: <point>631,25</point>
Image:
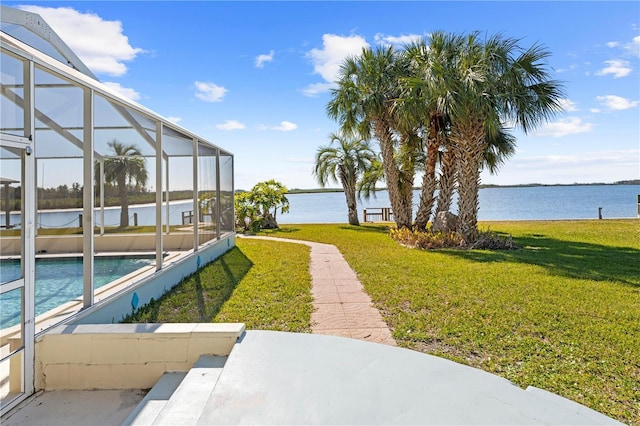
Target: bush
<point>426,239</point>
<point>429,240</point>
<point>257,209</point>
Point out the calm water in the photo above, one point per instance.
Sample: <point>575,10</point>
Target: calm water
<point>519,203</point>
<point>146,215</point>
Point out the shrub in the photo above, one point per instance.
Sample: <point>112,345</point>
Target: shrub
<point>429,240</point>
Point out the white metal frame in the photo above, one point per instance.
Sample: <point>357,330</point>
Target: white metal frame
<point>78,75</point>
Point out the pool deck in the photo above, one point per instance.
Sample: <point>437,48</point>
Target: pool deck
<point>277,378</point>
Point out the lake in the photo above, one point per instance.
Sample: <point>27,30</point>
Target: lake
<point>503,203</point>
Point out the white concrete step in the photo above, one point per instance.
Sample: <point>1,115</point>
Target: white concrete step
<point>150,407</point>
<point>187,402</point>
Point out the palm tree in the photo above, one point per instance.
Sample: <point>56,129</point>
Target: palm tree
<point>365,102</point>
<point>486,84</point>
<point>372,175</point>
<point>125,168</point>
<point>344,163</point>
<point>421,107</point>
<point>270,195</point>
<point>500,147</point>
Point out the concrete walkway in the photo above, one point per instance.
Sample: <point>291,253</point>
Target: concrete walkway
<point>342,308</point>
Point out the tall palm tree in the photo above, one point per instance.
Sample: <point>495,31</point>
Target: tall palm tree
<point>421,106</point>
<point>125,168</point>
<point>365,102</point>
<point>345,162</point>
<point>486,84</point>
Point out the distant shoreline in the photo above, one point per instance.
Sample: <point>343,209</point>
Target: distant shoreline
<point>524,185</point>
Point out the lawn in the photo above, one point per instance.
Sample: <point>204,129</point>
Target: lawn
<point>264,284</point>
<point>561,313</point>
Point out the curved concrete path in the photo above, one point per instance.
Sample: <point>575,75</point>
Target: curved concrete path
<point>342,308</point>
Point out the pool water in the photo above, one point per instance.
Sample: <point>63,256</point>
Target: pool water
<point>59,280</point>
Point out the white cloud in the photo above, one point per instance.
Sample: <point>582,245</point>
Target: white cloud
<point>571,67</point>
<point>567,126</point>
<point>318,88</point>
<point>583,167</point>
<point>209,92</point>
<point>175,120</point>
<point>617,67</point>
<point>335,49</point>
<point>230,125</point>
<point>122,91</point>
<point>568,105</point>
<point>595,110</point>
<point>285,126</point>
<point>397,40</point>
<point>100,44</point>
<point>622,157</point>
<point>634,46</point>
<point>616,102</point>
<point>261,59</point>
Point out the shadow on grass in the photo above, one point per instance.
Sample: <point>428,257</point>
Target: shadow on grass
<point>378,229</point>
<point>282,230</point>
<point>200,296</point>
<point>289,229</point>
<point>567,258</point>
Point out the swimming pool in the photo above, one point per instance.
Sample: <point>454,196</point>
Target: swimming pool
<point>59,280</point>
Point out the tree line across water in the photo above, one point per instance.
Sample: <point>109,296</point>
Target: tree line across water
<point>65,197</point>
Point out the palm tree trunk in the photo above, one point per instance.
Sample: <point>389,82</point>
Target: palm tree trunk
<point>401,211</point>
<point>470,142</point>
<point>124,200</point>
<point>428,183</point>
<point>447,180</point>
<point>352,206</point>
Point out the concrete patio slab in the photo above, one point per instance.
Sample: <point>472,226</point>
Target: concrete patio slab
<point>275,378</point>
<point>71,408</point>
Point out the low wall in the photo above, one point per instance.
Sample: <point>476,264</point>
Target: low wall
<point>125,356</point>
<point>59,244</point>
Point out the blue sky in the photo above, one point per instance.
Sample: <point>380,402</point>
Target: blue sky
<point>254,77</point>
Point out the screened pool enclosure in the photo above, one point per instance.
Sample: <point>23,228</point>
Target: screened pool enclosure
<point>86,174</point>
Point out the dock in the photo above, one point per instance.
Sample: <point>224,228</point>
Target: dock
<point>378,214</point>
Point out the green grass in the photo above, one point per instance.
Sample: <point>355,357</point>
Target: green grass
<point>562,313</point>
<point>264,284</point>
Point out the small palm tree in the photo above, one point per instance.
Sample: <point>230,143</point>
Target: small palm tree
<point>125,168</point>
<point>344,163</point>
<point>268,197</point>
